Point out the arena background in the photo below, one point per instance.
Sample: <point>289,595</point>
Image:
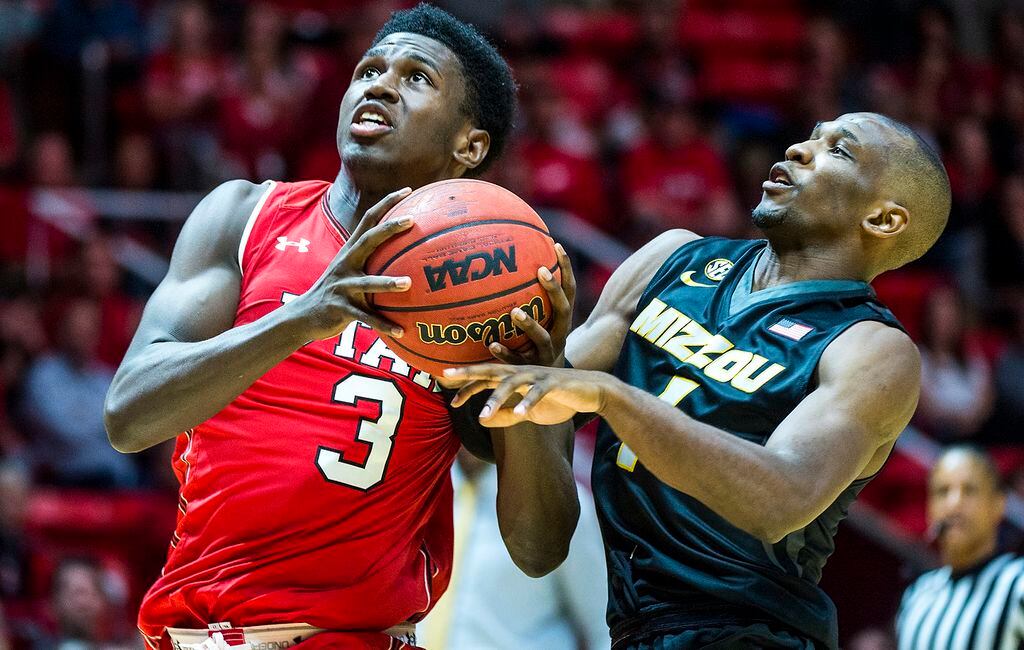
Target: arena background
<point>116,117</point>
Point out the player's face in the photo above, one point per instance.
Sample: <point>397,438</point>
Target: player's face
<point>963,505</point>
<point>828,181</point>
<point>401,112</point>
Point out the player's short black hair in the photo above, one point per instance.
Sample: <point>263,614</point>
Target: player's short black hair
<point>923,189</point>
<point>490,88</point>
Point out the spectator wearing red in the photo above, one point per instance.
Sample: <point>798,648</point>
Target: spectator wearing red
<point>556,154</point>
<point>100,277</point>
<point>674,177</point>
<point>267,91</point>
<point>182,87</point>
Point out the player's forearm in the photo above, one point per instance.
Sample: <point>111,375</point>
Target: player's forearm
<point>170,386</point>
<point>750,486</point>
<point>537,503</point>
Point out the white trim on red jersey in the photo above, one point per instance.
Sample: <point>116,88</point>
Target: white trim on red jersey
<point>252,221</point>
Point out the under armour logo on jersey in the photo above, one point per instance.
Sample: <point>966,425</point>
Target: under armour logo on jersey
<point>302,244</point>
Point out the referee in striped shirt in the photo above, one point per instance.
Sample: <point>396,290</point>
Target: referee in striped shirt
<point>976,600</point>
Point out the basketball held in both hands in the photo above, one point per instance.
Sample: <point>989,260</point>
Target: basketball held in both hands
<point>473,253</point>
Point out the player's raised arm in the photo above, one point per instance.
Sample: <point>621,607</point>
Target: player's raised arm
<point>186,362</point>
<point>868,385</point>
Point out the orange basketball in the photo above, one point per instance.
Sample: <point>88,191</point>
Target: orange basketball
<point>473,253</point>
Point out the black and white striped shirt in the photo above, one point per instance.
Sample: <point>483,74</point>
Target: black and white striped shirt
<point>981,609</point>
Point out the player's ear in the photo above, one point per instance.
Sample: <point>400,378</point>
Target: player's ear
<point>471,146</point>
<point>887,220</point>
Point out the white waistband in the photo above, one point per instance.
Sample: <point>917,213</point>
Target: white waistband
<point>268,637</point>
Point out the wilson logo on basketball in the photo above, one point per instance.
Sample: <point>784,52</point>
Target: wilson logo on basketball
<point>489,331</point>
<point>475,266</point>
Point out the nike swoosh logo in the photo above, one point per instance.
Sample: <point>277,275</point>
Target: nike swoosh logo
<point>687,278</point>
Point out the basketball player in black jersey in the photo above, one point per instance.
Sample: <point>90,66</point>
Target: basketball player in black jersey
<point>749,389</point>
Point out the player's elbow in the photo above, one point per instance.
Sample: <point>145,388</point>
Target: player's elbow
<point>766,523</point>
<point>117,422</point>
<point>772,528</point>
<point>538,555</point>
<point>537,564</point>
<point>771,534</point>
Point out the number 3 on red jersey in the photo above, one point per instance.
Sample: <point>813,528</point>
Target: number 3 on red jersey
<point>378,434</point>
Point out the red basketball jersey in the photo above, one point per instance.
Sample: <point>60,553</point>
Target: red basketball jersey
<point>321,495</point>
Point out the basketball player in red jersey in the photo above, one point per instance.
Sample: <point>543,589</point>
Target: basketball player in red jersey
<point>315,502</point>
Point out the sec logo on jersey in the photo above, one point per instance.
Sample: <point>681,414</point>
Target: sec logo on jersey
<point>717,269</point>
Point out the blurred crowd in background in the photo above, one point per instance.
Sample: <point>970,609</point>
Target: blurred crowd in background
<point>635,116</point>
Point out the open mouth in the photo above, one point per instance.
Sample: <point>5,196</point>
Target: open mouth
<point>369,122</point>
<point>778,179</point>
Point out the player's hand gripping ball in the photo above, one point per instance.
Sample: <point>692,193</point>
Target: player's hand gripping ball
<point>473,253</point>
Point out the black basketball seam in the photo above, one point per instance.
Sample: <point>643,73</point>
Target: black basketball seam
<point>465,303</point>
<point>468,224</point>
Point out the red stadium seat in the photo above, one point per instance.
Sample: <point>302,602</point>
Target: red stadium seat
<point>128,532</point>
<point>900,491</point>
<point>742,32</point>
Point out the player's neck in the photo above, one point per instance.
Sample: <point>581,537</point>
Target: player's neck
<point>776,267</point>
<point>348,202</point>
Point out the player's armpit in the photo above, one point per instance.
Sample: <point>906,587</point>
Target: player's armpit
<point>595,344</point>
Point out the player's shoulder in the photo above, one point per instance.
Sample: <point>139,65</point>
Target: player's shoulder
<point>667,243</point>
<point>212,232</point>
<point>876,341</point>
<point>228,207</point>
<point>641,266</point>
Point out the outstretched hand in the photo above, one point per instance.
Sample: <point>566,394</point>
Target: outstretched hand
<point>529,393</point>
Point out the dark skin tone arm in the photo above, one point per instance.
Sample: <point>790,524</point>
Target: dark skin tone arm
<point>186,362</point>
<point>867,388</point>
<point>538,508</point>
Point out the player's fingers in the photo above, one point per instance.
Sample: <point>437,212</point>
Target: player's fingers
<point>503,392</point>
<point>373,216</point>
<point>537,334</point>
<point>378,283</point>
<point>504,417</point>
<point>471,389</point>
<point>533,396</point>
<point>485,371</point>
<point>374,237</point>
<point>379,323</point>
<point>502,353</point>
<point>568,277</point>
<point>561,319</point>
